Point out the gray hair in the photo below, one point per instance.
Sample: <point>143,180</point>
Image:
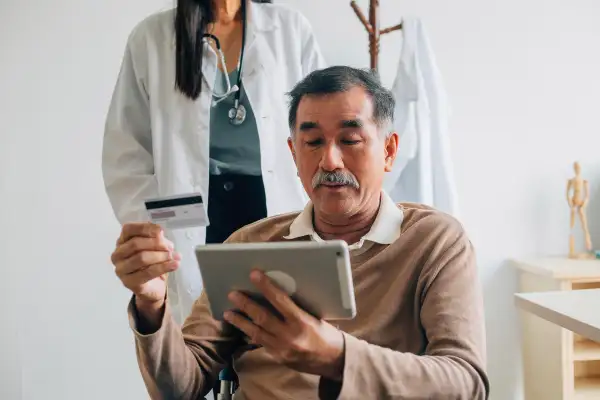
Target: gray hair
<point>339,79</point>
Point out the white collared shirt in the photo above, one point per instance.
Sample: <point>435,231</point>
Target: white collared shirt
<point>385,230</point>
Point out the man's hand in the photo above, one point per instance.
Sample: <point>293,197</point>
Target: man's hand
<point>142,258</point>
<point>299,341</point>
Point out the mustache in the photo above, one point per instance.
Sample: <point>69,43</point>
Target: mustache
<point>338,176</point>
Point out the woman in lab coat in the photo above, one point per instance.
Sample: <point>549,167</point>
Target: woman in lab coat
<point>178,122</point>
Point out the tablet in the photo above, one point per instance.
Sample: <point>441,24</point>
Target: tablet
<point>316,275</point>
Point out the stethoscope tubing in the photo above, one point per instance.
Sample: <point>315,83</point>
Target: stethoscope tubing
<point>237,88</point>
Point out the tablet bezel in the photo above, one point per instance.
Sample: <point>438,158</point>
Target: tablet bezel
<point>339,304</point>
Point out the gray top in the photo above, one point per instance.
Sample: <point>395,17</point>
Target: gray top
<point>233,148</point>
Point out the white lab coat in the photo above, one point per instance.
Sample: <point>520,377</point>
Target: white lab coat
<point>156,141</point>
<point>423,170</point>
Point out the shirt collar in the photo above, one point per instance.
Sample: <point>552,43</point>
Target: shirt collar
<point>385,230</point>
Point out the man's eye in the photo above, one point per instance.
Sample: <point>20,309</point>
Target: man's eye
<point>315,142</point>
<point>351,142</point>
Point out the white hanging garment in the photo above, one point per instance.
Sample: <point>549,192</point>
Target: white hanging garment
<point>423,171</point>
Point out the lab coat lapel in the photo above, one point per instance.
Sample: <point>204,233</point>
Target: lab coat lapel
<point>258,55</point>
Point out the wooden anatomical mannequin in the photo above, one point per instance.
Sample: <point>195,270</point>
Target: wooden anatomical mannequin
<point>578,196</point>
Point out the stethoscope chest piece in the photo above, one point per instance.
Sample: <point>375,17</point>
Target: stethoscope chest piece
<point>237,115</point>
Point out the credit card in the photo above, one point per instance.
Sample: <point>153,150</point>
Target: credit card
<point>178,212</point>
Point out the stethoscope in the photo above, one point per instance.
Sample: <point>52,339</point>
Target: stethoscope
<point>237,114</point>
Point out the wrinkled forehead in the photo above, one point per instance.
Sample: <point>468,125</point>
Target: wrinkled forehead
<point>349,109</point>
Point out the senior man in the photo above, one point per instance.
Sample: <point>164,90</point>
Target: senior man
<point>419,330</point>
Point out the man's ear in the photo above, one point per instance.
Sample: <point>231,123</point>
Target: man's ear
<point>391,150</point>
<point>291,146</point>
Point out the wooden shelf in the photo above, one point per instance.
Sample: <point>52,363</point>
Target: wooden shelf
<point>561,268</point>
<point>585,285</point>
<point>560,362</point>
<point>586,350</point>
<point>587,388</point>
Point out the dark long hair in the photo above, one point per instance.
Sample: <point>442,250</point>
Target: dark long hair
<point>191,19</point>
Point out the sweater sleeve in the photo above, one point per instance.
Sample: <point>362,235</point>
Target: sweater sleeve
<point>453,363</point>
<point>183,362</point>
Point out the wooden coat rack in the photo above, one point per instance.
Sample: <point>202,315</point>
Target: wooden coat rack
<point>372,27</point>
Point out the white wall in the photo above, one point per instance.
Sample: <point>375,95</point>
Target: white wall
<point>522,77</point>
<point>59,64</point>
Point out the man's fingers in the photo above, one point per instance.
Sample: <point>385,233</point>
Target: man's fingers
<point>256,335</point>
<point>277,297</point>
<point>138,244</point>
<point>141,261</point>
<point>144,229</point>
<point>260,316</point>
<point>154,271</point>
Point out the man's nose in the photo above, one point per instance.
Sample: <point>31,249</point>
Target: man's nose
<point>331,159</point>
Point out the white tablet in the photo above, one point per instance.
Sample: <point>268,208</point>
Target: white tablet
<point>317,275</point>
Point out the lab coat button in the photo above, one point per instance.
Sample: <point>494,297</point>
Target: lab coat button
<point>228,186</point>
<point>189,235</point>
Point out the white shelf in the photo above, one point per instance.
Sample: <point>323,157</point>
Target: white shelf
<point>586,350</point>
<point>587,388</point>
<point>561,268</point>
<point>574,310</point>
<point>560,327</point>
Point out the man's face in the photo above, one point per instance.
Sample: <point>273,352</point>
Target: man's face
<point>339,151</point>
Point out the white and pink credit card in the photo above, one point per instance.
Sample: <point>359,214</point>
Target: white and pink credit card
<point>178,212</point>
